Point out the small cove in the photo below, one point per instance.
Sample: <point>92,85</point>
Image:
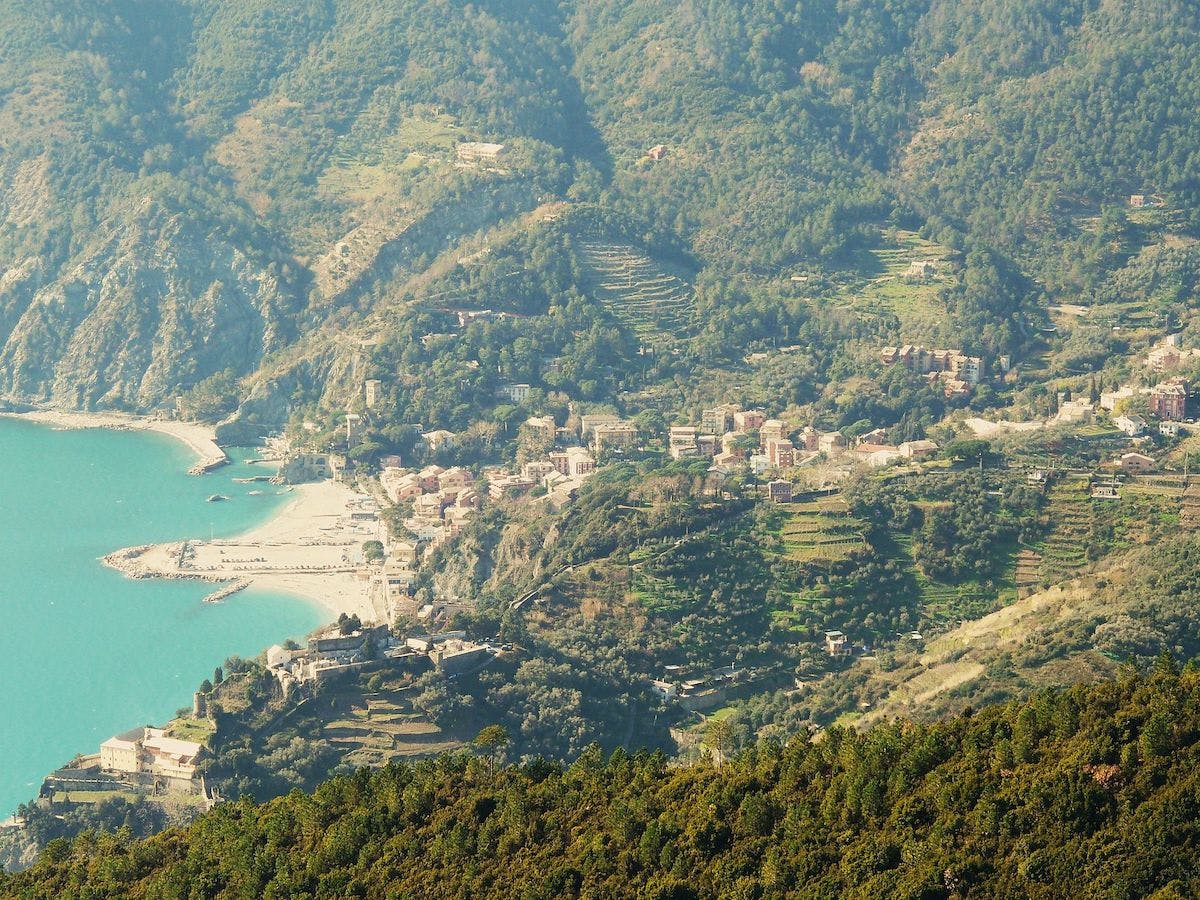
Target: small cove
<point>84,651</point>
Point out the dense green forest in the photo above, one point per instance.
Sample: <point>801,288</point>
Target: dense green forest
<point>1087,791</point>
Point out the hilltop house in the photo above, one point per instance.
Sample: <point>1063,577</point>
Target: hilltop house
<point>772,430</point>
<point>616,435</point>
<point>1110,399</point>
<point>747,420</point>
<point>918,449</point>
<point>542,428</point>
<point>831,443</point>
<point>718,420</point>
<point>517,393</point>
<point>779,491</point>
<point>478,152</point>
<point>1169,399</point>
<point>836,644</point>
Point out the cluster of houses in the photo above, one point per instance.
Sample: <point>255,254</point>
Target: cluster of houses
<point>728,435</point>
<point>561,472</point>
<point>442,499</point>
<point>1167,402</point>
<point>1167,399</point>
<point>1168,356</point>
<point>335,652</point>
<point>953,369</point>
<point>776,449</point>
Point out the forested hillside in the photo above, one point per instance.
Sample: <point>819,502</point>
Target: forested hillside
<point>1085,792</point>
<point>247,191</point>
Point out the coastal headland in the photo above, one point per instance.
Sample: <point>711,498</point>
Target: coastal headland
<point>309,549</point>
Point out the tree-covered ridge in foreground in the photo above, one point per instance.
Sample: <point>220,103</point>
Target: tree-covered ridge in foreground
<point>1091,791</point>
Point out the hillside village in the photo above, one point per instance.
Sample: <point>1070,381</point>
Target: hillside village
<point>418,510</point>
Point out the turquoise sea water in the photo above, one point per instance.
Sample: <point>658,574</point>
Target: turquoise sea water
<point>84,652</point>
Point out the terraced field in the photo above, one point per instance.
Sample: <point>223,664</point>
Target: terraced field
<point>1064,550</point>
<point>822,529</point>
<point>1029,572</point>
<point>372,729</point>
<point>944,604</point>
<point>898,287</point>
<point>642,293</point>
<point>1189,510</point>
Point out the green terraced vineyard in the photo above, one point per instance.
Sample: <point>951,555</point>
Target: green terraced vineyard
<point>821,529</point>
<point>642,293</point>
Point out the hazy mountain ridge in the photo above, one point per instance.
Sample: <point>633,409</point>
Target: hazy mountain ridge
<point>282,130</point>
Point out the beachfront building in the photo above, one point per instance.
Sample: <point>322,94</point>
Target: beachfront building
<point>305,465</point>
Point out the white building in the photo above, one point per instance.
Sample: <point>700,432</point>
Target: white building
<point>1131,425</point>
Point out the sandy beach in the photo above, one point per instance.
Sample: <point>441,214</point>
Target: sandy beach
<point>312,549</point>
<point>199,438</point>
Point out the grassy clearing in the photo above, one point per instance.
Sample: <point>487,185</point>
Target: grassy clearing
<point>189,729</point>
<point>365,170</point>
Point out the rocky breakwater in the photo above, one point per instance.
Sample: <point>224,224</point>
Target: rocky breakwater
<point>208,463</point>
<point>158,561</point>
<point>171,561</point>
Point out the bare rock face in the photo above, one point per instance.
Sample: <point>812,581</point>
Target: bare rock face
<point>154,303</point>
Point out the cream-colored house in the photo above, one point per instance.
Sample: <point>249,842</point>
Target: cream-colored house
<point>120,753</point>
<point>149,751</point>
